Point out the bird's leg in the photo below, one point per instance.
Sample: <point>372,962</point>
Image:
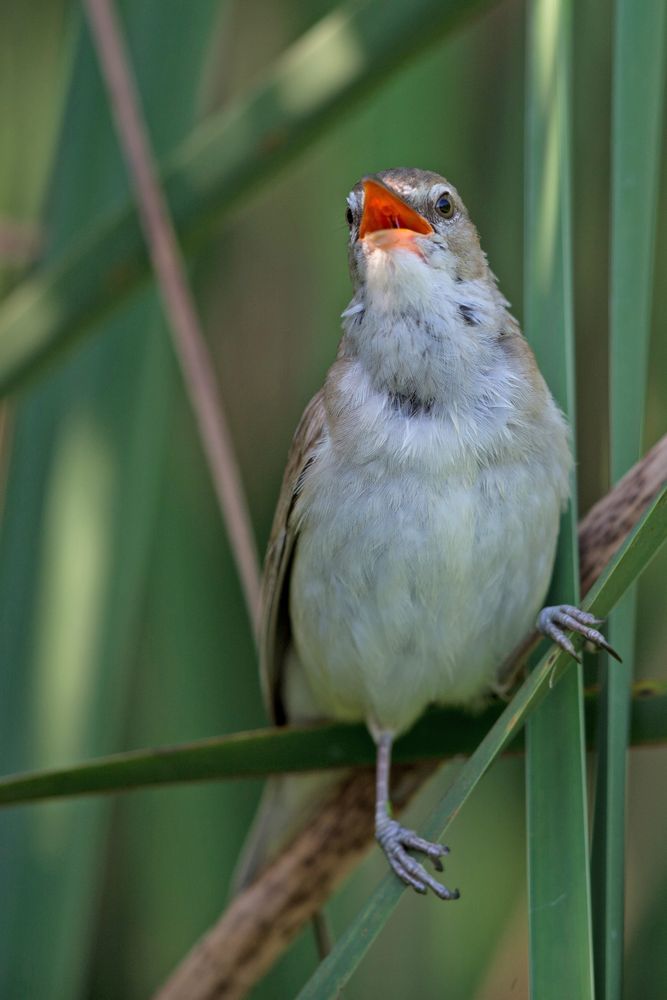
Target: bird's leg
<point>555,621</point>
<point>395,840</point>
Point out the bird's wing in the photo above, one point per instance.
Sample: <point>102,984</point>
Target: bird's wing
<point>275,632</point>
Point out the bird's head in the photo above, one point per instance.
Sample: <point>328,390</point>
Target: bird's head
<point>410,231</point>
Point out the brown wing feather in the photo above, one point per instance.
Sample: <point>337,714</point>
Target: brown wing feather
<point>275,631</point>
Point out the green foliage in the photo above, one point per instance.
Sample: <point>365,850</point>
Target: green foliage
<point>205,177</point>
<point>639,82</point>
<point>440,734</point>
<point>84,468</point>
<point>558,872</point>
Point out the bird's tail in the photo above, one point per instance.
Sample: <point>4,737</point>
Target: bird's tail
<point>288,802</point>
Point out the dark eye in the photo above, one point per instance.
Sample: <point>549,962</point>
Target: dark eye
<point>445,206</point>
<point>349,216</point>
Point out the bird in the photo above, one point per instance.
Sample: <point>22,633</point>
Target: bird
<point>416,527</point>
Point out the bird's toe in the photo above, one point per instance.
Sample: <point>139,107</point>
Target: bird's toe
<point>553,621</point>
<point>395,840</point>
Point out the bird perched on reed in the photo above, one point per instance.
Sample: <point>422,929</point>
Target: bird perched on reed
<point>416,527</point>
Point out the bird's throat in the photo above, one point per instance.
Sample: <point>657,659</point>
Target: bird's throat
<point>419,362</point>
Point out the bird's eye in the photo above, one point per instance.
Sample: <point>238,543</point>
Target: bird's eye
<point>349,216</point>
<point>444,205</point>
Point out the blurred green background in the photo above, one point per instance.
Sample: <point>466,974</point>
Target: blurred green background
<point>121,620</point>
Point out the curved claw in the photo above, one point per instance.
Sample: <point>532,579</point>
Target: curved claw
<point>552,621</point>
<point>395,841</point>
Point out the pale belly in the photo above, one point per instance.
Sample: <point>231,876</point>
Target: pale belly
<point>410,592</point>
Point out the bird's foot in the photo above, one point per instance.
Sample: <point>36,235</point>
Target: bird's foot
<point>395,841</point>
<point>554,621</point>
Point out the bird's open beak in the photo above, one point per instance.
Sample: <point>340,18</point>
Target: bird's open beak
<point>387,221</point>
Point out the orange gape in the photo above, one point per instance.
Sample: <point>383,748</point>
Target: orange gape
<point>389,219</point>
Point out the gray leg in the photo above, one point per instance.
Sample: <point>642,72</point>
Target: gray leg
<point>395,840</point>
<point>553,622</point>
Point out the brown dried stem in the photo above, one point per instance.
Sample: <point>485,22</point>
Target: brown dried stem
<point>261,921</point>
<point>195,359</point>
